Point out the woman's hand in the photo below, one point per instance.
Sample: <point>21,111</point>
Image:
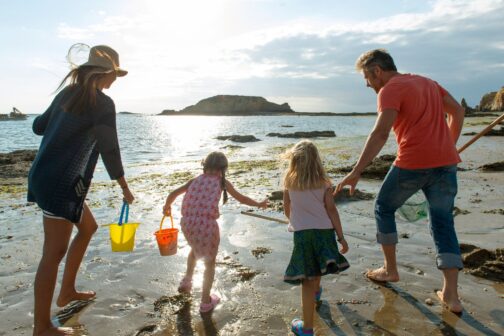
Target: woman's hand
<point>344,246</point>
<point>167,209</point>
<point>128,196</point>
<point>263,204</point>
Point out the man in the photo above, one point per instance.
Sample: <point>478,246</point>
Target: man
<point>427,122</point>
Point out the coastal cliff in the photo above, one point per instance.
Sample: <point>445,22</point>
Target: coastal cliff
<point>493,101</point>
<point>232,105</point>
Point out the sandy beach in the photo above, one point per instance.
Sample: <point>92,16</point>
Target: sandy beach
<point>137,291</point>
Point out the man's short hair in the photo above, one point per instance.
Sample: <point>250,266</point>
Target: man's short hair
<point>377,57</point>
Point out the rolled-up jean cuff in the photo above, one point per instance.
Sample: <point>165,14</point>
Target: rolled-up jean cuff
<point>449,260</point>
<point>386,238</point>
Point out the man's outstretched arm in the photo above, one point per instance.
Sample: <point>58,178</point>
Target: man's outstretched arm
<point>374,143</point>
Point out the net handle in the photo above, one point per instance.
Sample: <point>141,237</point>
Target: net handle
<point>480,134</point>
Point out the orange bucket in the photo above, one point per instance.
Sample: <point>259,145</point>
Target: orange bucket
<point>167,239</point>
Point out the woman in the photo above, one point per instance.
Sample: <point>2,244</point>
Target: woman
<point>78,126</point>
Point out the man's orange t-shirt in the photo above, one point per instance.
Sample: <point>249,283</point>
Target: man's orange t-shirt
<point>422,134</point>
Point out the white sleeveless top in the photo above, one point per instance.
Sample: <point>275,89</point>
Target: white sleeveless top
<point>308,210</point>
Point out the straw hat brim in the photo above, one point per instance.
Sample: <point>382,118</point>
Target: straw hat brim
<point>119,71</point>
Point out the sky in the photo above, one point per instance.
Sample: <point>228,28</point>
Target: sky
<point>299,52</point>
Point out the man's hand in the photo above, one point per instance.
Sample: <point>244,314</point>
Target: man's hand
<point>350,180</point>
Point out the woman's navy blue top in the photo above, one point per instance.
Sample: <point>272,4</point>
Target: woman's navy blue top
<point>61,173</point>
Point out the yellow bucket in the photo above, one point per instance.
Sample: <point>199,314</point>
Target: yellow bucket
<point>122,235</point>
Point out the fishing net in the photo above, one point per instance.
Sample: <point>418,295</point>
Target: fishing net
<point>77,54</point>
<point>414,208</point>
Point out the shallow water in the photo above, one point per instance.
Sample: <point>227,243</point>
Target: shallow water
<point>136,292</point>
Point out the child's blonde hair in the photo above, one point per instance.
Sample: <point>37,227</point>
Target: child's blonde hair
<point>305,167</point>
<point>217,161</point>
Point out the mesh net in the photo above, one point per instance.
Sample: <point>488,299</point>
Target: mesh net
<point>414,208</point>
<point>77,54</point>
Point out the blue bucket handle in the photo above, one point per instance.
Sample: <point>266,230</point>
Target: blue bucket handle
<point>125,207</point>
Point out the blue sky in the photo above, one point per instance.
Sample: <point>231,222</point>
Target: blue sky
<point>300,52</point>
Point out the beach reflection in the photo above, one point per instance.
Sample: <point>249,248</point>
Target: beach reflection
<point>388,316</point>
<point>69,317</point>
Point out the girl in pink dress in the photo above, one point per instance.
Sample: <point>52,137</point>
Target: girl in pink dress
<point>200,210</point>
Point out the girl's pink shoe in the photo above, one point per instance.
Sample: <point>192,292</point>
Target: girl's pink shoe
<point>206,307</point>
<point>185,285</point>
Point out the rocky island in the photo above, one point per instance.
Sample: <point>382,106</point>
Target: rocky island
<point>226,105</point>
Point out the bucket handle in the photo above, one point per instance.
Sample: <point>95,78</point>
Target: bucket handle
<point>125,208</point>
<point>162,220</point>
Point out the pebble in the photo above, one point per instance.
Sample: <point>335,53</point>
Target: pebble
<point>419,272</point>
<point>429,302</point>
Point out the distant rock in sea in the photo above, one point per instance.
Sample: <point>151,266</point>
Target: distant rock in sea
<point>238,138</point>
<point>492,132</point>
<point>232,105</point>
<point>312,134</point>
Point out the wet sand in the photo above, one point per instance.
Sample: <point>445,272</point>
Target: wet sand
<point>137,291</point>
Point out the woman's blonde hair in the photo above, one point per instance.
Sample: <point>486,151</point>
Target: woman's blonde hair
<point>217,161</point>
<point>305,167</point>
<point>82,88</point>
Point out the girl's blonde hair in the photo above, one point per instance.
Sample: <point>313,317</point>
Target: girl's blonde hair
<point>305,167</point>
<point>217,161</point>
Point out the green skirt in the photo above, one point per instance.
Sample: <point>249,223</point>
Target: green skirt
<point>315,254</point>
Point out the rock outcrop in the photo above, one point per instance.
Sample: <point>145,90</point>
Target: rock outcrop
<point>343,196</point>
<point>377,169</point>
<point>238,138</point>
<point>492,132</point>
<point>16,164</point>
<point>496,166</point>
<point>493,101</point>
<point>232,105</point>
<point>498,102</point>
<point>312,134</point>
<point>483,263</point>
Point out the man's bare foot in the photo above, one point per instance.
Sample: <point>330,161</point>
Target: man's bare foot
<point>63,300</point>
<point>55,332</point>
<point>453,304</point>
<point>381,275</point>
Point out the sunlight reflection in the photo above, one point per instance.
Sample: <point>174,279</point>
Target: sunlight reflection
<point>186,134</point>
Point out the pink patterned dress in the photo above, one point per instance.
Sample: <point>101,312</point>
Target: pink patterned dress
<point>200,210</point>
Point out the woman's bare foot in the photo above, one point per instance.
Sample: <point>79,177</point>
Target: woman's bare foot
<point>381,275</point>
<point>55,332</point>
<point>453,304</point>
<point>64,299</point>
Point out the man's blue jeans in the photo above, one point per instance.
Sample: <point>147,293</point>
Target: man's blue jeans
<point>440,187</point>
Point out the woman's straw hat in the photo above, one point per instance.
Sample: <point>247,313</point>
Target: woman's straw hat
<point>103,56</point>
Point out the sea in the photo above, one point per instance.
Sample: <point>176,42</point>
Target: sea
<point>154,138</point>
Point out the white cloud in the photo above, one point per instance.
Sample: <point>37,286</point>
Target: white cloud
<point>196,47</point>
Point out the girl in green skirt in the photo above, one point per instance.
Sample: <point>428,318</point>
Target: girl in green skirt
<point>309,205</point>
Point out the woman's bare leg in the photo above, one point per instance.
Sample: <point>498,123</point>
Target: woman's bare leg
<point>57,234</point>
<point>86,228</point>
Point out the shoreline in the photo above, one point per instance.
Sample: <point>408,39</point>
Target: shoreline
<point>137,291</point>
